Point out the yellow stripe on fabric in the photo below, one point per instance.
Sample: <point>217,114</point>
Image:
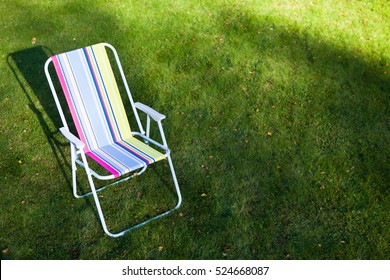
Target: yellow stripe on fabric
<point>146,150</point>
<point>101,91</point>
<point>107,81</point>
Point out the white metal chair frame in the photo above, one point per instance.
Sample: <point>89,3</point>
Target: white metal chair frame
<point>76,146</point>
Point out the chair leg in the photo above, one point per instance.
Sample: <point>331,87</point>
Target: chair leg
<point>179,198</point>
<point>74,170</point>
<point>99,208</point>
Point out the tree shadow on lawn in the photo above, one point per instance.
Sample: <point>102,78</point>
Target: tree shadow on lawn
<point>279,188</point>
<point>330,104</point>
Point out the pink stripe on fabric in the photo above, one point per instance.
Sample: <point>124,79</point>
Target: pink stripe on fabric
<point>73,112</point>
<point>104,164</point>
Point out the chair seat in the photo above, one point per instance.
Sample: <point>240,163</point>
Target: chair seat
<point>125,156</point>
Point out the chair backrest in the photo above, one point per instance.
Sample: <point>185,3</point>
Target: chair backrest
<point>92,95</point>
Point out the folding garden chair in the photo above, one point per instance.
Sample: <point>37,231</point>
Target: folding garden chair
<point>104,135</point>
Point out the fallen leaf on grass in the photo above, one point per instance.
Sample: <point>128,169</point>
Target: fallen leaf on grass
<point>203,195</point>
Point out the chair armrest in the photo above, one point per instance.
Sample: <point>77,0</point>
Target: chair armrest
<point>72,139</point>
<point>149,111</point>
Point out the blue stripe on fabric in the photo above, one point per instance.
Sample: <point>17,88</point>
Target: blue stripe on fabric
<point>138,150</point>
<point>98,90</point>
<point>133,152</point>
<point>104,105</point>
<point>97,127</point>
<point>87,103</point>
<point>108,100</point>
<point>118,159</point>
<point>66,74</point>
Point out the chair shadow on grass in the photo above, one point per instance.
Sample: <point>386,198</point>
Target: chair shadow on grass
<point>28,68</point>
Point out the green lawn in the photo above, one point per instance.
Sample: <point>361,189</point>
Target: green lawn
<point>277,116</point>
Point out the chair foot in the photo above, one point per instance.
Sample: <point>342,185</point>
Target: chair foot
<point>119,234</point>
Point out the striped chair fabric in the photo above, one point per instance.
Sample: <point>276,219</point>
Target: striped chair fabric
<point>96,106</point>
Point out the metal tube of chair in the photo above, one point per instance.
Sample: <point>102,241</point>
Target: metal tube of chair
<point>74,169</point>
<point>53,91</point>
<point>175,182</point>
<point>147,126</point>
<point>95,196</point>
<point>160,127</point>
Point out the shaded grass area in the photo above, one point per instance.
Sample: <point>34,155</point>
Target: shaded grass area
<point>277,115</point>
